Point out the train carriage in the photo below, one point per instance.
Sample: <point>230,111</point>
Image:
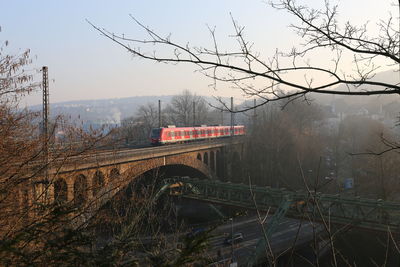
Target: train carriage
<point>172,134</point>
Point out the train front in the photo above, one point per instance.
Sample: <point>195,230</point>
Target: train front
<point>155,136</point>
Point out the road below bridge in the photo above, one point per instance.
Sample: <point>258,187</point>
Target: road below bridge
<point>289,233</point>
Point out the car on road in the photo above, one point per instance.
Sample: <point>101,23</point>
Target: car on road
<point>236,238</point>
<point>195,232</point>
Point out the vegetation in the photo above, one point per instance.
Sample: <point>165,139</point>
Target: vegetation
<point>40,224</point>
<point>289,139</point>
<point>40,229</point>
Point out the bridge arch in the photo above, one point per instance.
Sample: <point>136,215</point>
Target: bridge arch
<point>199,156</point>
<point>212,161</point>
<point>80,189</point>
<point>205,159</point>
<point>98,181</point>
<point>122,187</point>
<point>88,184</point>
<point>130,171</point>
<point>119,177</point>
<point>191,161</point>
<point>60,191</point>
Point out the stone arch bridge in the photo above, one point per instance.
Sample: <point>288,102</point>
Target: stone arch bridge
<point>94,178</point>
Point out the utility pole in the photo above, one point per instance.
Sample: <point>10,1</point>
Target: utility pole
<point>255,114</point>
<point>232,240</point>
<point>232,119</point>
<point>254,108</point>
<point>45,114</point>
<point>194,113</point>
<point>45,118</point>
<point>159,114</point>
<point>40,187</point>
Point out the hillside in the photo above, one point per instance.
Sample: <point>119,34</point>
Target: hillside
<point>106,111</point>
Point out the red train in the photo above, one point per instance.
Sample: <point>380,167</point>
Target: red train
<point>172,134</point>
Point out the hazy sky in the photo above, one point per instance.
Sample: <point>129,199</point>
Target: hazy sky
<point>84,65</point>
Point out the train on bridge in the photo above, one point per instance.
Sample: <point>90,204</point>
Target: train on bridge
<point>172,134</point>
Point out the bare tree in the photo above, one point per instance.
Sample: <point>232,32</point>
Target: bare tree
<point>280,138</point>
<point>355,55</point>
<point>271,78</point>
<point>319,30</point>
<point>36,222</point>
<point>29,224</point>
<point>137,128</point>
<point>187,109</point>
<point>148,114</point>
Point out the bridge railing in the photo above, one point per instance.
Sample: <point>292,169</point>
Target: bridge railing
<point>332,209</point>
